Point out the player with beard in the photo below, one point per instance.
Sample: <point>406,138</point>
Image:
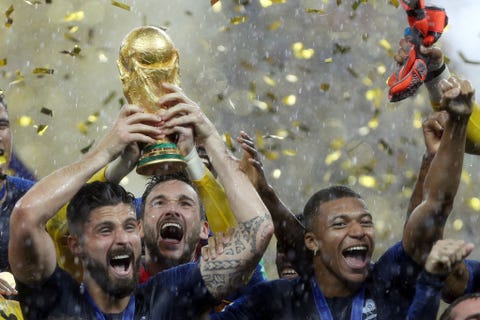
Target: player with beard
<point>173,222</point>
<point>106,236</point>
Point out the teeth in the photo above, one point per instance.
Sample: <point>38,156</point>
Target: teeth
<point>125,256</point>
<point>171,224</point>
<point>356,248</point>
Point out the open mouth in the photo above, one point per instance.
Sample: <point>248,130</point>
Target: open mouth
<point>121,263</point>
<point>289,273</point>
<point>171,231</point>
<point>356,256</point>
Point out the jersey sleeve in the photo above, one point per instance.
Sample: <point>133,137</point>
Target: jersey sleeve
<point>219,215</point>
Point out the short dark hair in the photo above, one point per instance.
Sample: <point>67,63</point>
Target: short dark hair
<point>322,196</point>
<point>156,180</point>
<point>447,314</point>
<point>2,99</point>
<point>91,196</point>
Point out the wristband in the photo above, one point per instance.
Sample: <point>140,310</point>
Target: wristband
<point>432,85</point>
<point>195,166</point>
<point>435,73</point>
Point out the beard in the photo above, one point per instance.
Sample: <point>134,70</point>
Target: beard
<point>151,241</point>
<point>118,288</point>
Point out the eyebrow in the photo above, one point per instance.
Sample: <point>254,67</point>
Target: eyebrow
<point>182,197</point>
<point>475,316</point>
<point>348,217</point>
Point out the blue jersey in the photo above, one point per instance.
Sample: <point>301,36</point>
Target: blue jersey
<point>178,293</point>
<point>15,189</point>
<point>389,291</point>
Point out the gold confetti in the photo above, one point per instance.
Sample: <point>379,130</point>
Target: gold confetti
<point>275,25</point>
<point>82,127</point>
<point>474,203</point>
<point>466,178</point>
<point>328,60</point>
<point>457,224</point>
<point>41,129</point>
<point>3,62</point>
<point>282,134</point>
<point>271,82</point>
<point>300,52</point>
<point>260,142</point>
<point>85,150</point>
<point>46,111</point>
<point>228,140</point>
<point>3,159</point>
<point>337,144</point>
<point>311,10</point>
<point>381,69</point>
<point>270,155</point>
<point>68,36</point>
<point>325,86</point>
<point>373,123</point>
<point>9,21</point>
<point>109,98</point>
<point>341,49</point>
<point>93,117</point>
<point>276,174</point>
<point>385,44</point>
<point>289,152</point>
<point>121,5</point>
<point>394,3</point>
<point>367,81</point>
<point>289,100</point>
<point>376,96</point>
<point>74,52</point>
<point>417,119</point>
<point>367,181</point>
<point>19,78</point>
<point>75,16</point>
<point>25,121</point>
<point>43,71</point>
<point>291,78</point>
<point>239,19</point>
<point>332,157</point>
<point>262,105</point>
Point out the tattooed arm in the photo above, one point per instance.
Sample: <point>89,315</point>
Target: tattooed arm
<point>232,257</point>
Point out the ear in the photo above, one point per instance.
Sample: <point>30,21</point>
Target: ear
<point>74,246</point>
<point>310,241</point>
<point>204,230</point>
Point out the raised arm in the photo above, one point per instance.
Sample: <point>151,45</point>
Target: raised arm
<point>289,230</point>
<point>426,223</point>
<point>31,250</point>
<point>243,248</point>
<point>432,129</point>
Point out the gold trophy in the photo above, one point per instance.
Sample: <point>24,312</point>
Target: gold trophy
<point>147,58</point>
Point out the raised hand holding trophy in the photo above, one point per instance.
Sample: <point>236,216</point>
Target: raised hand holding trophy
<point>147,58</point>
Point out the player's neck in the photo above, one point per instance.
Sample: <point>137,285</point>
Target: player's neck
<point>331,285</point>
<point>105,301</point>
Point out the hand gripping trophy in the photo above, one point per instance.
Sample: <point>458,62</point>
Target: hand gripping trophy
<point>147,58</point>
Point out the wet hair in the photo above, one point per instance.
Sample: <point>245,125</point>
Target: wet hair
<point>328,194</point>
<point>447,314</point>
<point>2,99</point>
<point>153,181</point>
<point>91,196</point>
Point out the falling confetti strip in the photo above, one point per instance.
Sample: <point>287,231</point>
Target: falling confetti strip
<point>47,111</point>
<point>120,5</point>
<point>8,13</point>
<point>43,71</point>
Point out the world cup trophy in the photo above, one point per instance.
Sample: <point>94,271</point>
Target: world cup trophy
<point>147,58</point>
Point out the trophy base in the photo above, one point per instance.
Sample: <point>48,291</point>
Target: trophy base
<point>160,158</point>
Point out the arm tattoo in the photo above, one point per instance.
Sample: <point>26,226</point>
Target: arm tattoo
<point>241,254</point>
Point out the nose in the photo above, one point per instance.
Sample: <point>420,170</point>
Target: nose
<point>356,231</point>
<point>121,236</point>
